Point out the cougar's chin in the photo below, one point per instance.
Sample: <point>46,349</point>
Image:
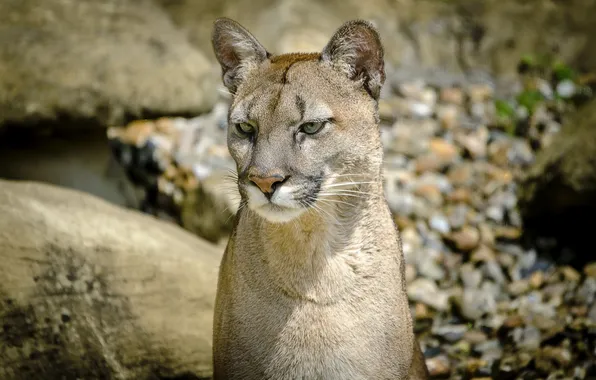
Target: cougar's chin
<point>278,214</point>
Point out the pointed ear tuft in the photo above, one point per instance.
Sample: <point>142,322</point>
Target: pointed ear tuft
<point>237,51</point>
<point>356,50</point>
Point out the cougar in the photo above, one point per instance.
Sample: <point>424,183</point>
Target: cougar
<point>312,283</point>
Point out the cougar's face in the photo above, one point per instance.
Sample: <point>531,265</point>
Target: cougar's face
<point>302,127</point>
<point>301,135</point>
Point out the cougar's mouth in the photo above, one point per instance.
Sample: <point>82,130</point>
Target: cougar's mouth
<point>287,202</point>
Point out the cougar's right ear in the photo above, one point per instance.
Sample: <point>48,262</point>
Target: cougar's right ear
<point>237,51</point>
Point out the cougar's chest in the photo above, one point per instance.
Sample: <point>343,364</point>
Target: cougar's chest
<point>317,343</point>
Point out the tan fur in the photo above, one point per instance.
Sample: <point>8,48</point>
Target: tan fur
<point>320,294</point>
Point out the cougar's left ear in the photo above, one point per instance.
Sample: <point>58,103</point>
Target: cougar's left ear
<point>237,51</point>
<point>356,50</point>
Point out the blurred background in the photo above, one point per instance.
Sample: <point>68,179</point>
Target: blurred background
<point>115,201</point>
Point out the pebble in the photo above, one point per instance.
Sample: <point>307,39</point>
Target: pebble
<point>438,366</point>
<point>466,239</point>
<point>426,291</point>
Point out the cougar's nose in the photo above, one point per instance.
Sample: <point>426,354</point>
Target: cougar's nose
<point>267,184</point>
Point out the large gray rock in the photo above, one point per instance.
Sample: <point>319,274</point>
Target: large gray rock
<point>100,61</point>
<point>92,291</point>
<point>458,35</point>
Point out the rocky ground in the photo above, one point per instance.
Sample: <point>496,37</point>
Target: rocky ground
<point>485,305</point>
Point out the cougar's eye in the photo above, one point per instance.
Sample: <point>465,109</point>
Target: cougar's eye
<point>312,127</point>
<point>245,128</point>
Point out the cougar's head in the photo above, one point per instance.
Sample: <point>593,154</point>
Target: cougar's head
<point>303,128</point>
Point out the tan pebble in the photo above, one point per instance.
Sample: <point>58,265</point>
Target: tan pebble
<point>444,149</point>
<point>138,132</point>
<point>448,117</point>
<point>452,95</point>
<point>480,93</point>
<point>166,126</point>
<point>410,273</point>
<point>431,193</point>
<point>518,287</point>
<point>475,336</point>
<point>421,311</point>
<point>428,163</point>
<point>460,174</point>
<point>486,234</point>
<point>403,222</point>
<point>483,254</point>
<point>438,366</point>
<point>590,270</point>
<point>513,322</point>
<point>460,195</point>
<point>466,239</point>
<point>507,232</point>
<point>537,279</point>
<point>570,274</point>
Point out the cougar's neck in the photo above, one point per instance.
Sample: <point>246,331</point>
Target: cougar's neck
<point>326,251</point>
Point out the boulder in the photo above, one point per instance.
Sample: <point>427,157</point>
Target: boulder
<point>89,63</point>
<point>92,291</point>
<point>457,35</point>
<point>557,196</point>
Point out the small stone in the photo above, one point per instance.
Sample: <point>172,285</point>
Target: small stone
<point>592,315</point>
<point>477,302</point>
<point>560,355</point>
<point>507,233</point>
<point>420,110</point>
<point>458,215</point>
<point>386,110</point>
<point>452,95</point>
<point>570,274</point>
<point>459,195</point>
<point>473,365</point>
<point>428,163</point>
<point>466,239</point>
<point>495,213</point>
<point>518,287</point>
<point>470,276</point>
<point>537,279</point>
<point>590,270</point>
<point>475,144</point>
<point>579,311</point>
<point>527,338</point>
<point>513,321</point>
<point>421,311</point>
<point>483,254</point>
<point>444,149</point>
<point>480,93</point>
<point>430,192</point>
<point>487,236</point>
<point>430,269</point>
<point>448,116</point>
<point>426,291</point>
<point>566,88</point>
<point>475,337</point>
<point>439,223</point>
<point>586,292</point>
<point>403,222</point>
<point>438,366</point>
<point>450,333</point>
<point>494,271</point>
<point>460,175</point>
<point>410,273</point>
